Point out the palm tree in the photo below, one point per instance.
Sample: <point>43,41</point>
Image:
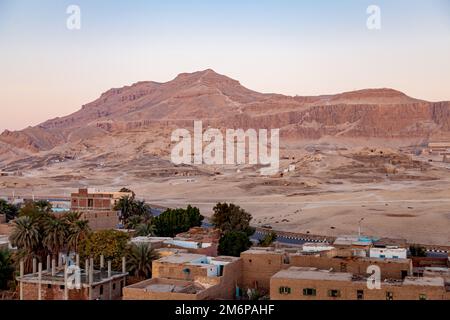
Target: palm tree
<point>56,231</point>
<point>125,206</point>
<point>25,234</point>
<point>43,206</point>
<point>6,269</point>
<point>78,231</point>
<point>26,237</point>
<point>139,260</point>
<point>134,222</point>
<point>140,208</point>
<point>145,230</point>
<point>72,217</point>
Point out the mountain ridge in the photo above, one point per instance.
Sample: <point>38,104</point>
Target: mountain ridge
<point>223,102</point>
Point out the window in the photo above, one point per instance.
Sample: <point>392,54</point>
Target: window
<point>334,293</point>
<point>285,290</point>
<point>389,295</point>
<point>90,203</point>
<point>422,296</point>
<point>360,294</point>
<point>114,286</point>
<point>394,257</point>
<point>101,290</point>
<point>61,287</point>
<point>382,256</point>
<point>49,286</point>
<point>309,292</point>
<point>250,260</point>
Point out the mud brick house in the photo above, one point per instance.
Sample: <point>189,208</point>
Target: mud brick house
<point>186,276</point>
<point>298,283</point>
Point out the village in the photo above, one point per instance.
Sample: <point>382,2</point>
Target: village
<point>110,246</point>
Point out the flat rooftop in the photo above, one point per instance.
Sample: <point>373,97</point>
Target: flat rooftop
<point>312,274</point>
<point>196,259</point>
<point>424,281</point>
<point>181,258</point>
<point>169,286</point>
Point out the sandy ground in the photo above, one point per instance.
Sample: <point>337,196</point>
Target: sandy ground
<point>328,193</point>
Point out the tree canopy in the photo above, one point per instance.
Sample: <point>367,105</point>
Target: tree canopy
<point>11,211</point>
<point>112,244</point>
<point>230,217</point>
<point>6,269</point>
<point>268,239</point>
<point>233,243</point>
<point>174,221</point>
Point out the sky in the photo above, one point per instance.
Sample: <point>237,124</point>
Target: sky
<point>293,47</point>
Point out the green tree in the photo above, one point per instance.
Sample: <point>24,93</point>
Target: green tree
<point>140,208</point>
<point>268,239</point>
<point>78,231</point>
<point>6,269</point>
<point>25,234</point>
<point>9,210</point>
<point>139,260</point>
<point>174,221</point>
<point>233,243</point>
<point>112,244</point>
<point>44,206</point>
<point>126,206</point>
<point>145,230</point>
<point>56,232</point>
<point>133,195</point>
<point>134,221</point>
<point>230,217</point>
<point>417,251</point>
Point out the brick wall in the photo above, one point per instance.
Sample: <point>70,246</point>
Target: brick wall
<point>101,220</point>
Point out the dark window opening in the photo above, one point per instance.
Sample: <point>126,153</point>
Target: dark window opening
<point>334,293</point>
<point>285,290</point>
<point>360,294</point>
<point>389,296</point>
<point>309,292</point>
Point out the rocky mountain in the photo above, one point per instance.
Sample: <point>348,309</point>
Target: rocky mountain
<point>136,115</point>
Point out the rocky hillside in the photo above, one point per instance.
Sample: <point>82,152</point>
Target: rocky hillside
<point>144,108</point>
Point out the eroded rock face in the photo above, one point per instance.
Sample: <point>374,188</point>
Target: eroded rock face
<point>145,107</point>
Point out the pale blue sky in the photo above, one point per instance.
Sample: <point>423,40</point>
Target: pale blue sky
<point>291,47</point>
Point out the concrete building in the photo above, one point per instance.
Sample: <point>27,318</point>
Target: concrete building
<point>54,283</point>
<point>98,207</point>
<point>314,284</point>
<point>186,276</point>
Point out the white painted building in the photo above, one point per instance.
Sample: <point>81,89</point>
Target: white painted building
<point>316,247</point>
<point>388,253</point>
